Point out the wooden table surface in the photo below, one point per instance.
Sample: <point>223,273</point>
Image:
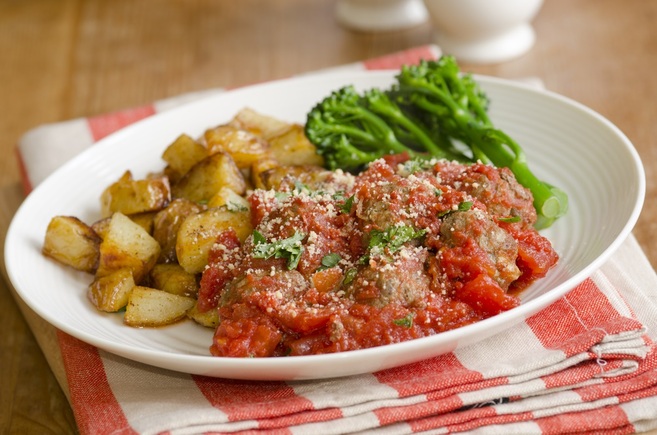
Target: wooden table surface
<point>61,59</point>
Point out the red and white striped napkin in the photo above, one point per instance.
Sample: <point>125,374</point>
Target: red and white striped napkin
<point>592,370</point>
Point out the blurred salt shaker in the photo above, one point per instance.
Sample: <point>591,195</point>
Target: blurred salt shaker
<point>380,15</point>
<point>483,31</point>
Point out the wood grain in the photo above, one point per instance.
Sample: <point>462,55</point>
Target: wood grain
<point>61,59</point>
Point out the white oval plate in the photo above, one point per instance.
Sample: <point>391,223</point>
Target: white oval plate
<point>567,145</point>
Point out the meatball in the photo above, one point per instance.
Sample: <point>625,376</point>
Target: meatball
<point>500,247</point>
<point>401,279</point>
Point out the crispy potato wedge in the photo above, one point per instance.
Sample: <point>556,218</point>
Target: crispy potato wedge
<point>277,177</point>
<point>259,168</point>
<point>101,226</point>
<point>144,220</point>
<point>110,292</point>
<point>130,196</point>
<point>172,278</point>
<point>208,176</point>
<point>149,307</point>
<point>243,146</point>
<point>72,242</point>
<point>292,148</point>
<point>258,124</point>
<point>230,199</point>
<point>199,232</point>
<point>127,245</point>
<point>166,224</point>
<point>181,155</point>
<point>209,319</point>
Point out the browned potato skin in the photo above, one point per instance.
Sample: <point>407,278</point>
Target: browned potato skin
<point>259,170</point>
<point>181,155</point>
<point>166,224</point>
<point>208,176</point>
<point>209,319</point>
<point>149,307</point>
<point>110,293</point>
<point>172,278</point>
<point>292,148</point>
<point>258,124</point>
<point>127,245</point>
<point>72,242</point>
<point>277,177</point>
<point>199,232</point>
<point>243,146</point>
<point>101,226</point>
<point>144,220</point>
<point>228,198</point>
<point>130,196</point>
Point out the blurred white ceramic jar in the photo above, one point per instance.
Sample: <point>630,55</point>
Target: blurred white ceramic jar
<point>380,15</point>
<point>483,31</point>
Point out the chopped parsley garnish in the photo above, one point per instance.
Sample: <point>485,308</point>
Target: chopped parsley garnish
<point>510,219</point>
<point>463,206</point>
<point>349,276</point>
<point>329,261</point>
<point>406,321</point>
<point>416,165</point>
<point>348,204</point>
<point>392,238</point>
<point>281,196</point>
<point>300,187</point>
<point>290,248</point>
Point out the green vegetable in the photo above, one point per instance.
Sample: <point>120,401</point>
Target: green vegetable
<point>349,276</point>
<point>329,261</point>
<point>392,238</point>
<point>463,206</point>
<point>348,204</point>
<point>290,248</point>
<point>432,110</point>
<point>510,219</point>
<point>406,321</point>
<point>351,130</point>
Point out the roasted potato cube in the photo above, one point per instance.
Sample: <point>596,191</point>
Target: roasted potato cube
<point>130,196</point>
<point>258,124</point>
<point>72,242</point>
<point>199,232</point>
<point>149,307</point>
<point>127,245</point>
<point>243,146</point>
<point>311,176</point>
<point>172,278</point>
<point>292,148</point>
<point>259,168</point>
<point>181,155</point>
<point>110,292</point>
<point>166,224</point>
<point>208,176</point>
<point>101,226</point>
<point>144,220</point>
<point>230,199</point>
<point>209,319</point>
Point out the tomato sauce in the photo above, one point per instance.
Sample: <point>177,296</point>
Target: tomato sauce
<point>397,252</point>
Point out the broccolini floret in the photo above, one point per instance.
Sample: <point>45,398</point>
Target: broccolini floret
<point>351,130</point>
<point>431,111</point>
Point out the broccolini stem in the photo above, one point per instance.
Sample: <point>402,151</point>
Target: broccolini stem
<point>390,141</point>
<point>501,150</point>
